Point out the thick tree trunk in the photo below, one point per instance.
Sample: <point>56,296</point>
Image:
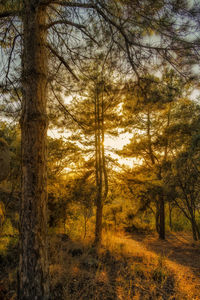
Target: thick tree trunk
<point>33,266</point>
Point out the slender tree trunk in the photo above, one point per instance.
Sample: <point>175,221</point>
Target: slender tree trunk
<point>99,205</point>
<point>85,226</point>
<point>96,145</point>
<point>149,137</point>
<point>195,229</point>
<point>103,153</point>
<point>198,231</point>
<point>160,209</point>
<point>194,232</point>
<point>157,217</point>
<point>33,266</point>
<point>99,215</point>
<point>102,186</point>
<point>170,216</point>
<point>162,217</point>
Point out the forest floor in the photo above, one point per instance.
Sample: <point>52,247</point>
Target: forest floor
<point>127,267</point>
<point>180,254</point>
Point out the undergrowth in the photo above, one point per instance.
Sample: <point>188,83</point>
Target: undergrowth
<point>116,271</point>
<point>113,272</point>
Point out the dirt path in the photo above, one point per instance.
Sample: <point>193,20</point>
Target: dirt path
<point>181,255</point>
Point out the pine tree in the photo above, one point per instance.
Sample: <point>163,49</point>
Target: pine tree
<point>147,114</point>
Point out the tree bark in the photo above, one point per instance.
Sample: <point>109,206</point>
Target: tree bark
<point>160,209</point>
<point>103,153</point>
<point>170,216</point>
<point>195,229</point>
<point>162,217</point>
<point>33,265</point>
<point>194,232</point>
<point>98,229</point>
<point>99,205</point>
<point>157,217</point>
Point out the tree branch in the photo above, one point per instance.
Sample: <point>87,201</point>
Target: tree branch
<point>9,13</point>
<point>68,4</point>
<point>61,59</point>
<point>65,109</point>
<point>79,26</point>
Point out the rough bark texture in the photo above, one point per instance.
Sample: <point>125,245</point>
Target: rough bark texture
<point>33,266</point>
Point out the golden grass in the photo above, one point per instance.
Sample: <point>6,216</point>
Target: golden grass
<point>122,269</point>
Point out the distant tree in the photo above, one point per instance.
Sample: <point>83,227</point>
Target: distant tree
<point>147,113</point>
<point>97,116</point>
<point>182,173</point>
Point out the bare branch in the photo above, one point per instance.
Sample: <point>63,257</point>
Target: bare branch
<point>79,26</point>
<point>82,28</point>
<point>9,13</point>
<point>65,109</point>
<point>68,4</point>
<point>10,56</point>
<point>61,59</point>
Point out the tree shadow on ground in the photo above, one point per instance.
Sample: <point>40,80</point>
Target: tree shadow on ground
<point>179,249</point>
<point>78,271</point>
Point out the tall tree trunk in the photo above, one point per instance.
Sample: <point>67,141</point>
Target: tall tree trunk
<point>99,205</point>
<point>170,216</point>
<point>102,186</point>
<point>151,155</point>
<point>162,217</point>
<point>33,266</point>
<point>103,153</point>
<point>157,217</point>
<point>99,215</point>
<point>160,209</point>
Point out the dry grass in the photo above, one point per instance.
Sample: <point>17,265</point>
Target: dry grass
<point>122,269</point>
